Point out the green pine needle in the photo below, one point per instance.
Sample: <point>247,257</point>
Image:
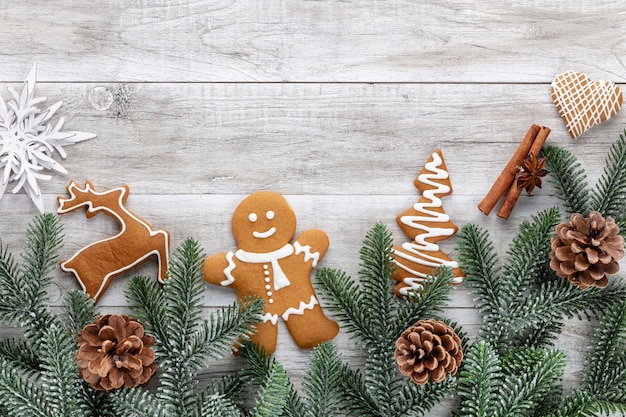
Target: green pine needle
<point>273,394</point>
<point>135,402</point>
<point>569,179</point>
<point>218,405</point>
<point>19,396</point>
<point>609,195</point>
<point>80,309</point>
<point>321,382</point>
<point>480,381</point>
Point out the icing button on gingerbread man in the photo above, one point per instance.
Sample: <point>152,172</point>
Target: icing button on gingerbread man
<point>266,264</point>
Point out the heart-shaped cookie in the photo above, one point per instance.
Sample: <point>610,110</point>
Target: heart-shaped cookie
<point>583,103</point>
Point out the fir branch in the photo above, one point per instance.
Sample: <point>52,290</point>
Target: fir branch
<point>479,382</point>
<point>417,400</point>
<point>578,403</point>
<point>217,335</point>
<point>609,195</point>
<point>60,380</point>
<point>376,278</point>
<point>274,393</point>
<point>43,242</point>
<point>135,402</point>
<point>81,311</point>
<point>24,290</point>
<point>530,375</point>
<point>528,252</point>
<point>602,370</point>
<point>183,295</point>
<point>569,179</point>
<point>21,355</point>
<point>342,294</point>
<point>147,302</point>
<point>219,405</point>
<point>228,386</point>
<point>478,259</point>
<point>424,303</point>
<point>356,399</point>
<point>321,382</point>
<point>19,396</point>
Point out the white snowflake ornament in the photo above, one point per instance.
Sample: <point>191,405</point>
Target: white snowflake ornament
<point>28,140</point>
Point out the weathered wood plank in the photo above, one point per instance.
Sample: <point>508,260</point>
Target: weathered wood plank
<point>353,41</point>
<point>305,138</point>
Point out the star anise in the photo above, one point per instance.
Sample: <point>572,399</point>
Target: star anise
<point>530,173</point>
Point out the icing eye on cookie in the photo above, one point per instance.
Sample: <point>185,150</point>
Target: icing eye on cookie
<point>269,215</point>
<point>252,217</point>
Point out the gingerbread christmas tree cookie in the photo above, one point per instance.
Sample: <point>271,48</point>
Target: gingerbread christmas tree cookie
<point>267,264</point>
<point>426,223</point>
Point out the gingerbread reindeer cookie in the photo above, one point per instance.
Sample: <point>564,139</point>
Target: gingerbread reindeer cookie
<point>97,264</point>
<point>268,265</point>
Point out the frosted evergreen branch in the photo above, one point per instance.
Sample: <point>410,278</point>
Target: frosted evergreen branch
<point>60,380</point>
<point>417,400</point>
<point>216,335</point>
<point>381,377</point>
<point>21,355</point>
<point>569,179</point>
<point>80,311</point>
<point>342,294</point>
<point>177,392</point>
<point>527,388</point>
<point>425,303</point>
<point>376,278</point>
<point>274,392</point>
<point>219,405</point>
<point>147,301</point>
<point>229,386</point>
<point>321,383</point>
<point>608,349</point>
<point>183,291</point>
<point>18,396</point>
<point>528,253</point>
<point>43,242</point>
<point>135,402</point>
<point>356,399</point>
<point>478,259</point>
<point>609,195</point>
<point>479,382</point>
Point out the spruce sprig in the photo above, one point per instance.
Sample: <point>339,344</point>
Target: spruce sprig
<point>38,375</point>
<point>319,395</point>
<point>185,340</point>
<point>375,317</point>
<point>608,196</point>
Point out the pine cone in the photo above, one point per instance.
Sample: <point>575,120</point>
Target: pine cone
<point>428,349</point>
<point>585,250</point>
<point>114,351</point>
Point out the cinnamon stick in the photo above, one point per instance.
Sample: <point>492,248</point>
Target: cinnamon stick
<point>514,190</point>
<point>507,176</point>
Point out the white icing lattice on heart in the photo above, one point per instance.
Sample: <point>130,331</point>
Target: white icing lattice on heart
<point>582,103</point>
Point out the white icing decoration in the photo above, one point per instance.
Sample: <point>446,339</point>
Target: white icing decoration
<point>280,279</point>
<point>301,308</point>
<point>123,216</point>
<point>270,215</point>
<point>308,255</point>
<point>272,318</point>
<point>228,271</point>
<point>252,217</point>
<point>577,98</point>
<point>416,249</point>
<point>264,235</point>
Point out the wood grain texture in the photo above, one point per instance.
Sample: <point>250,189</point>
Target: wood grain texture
<point>321,41</point>
<point>336,105</point>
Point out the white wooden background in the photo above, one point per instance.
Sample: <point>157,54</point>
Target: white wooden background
<point>336,105</point>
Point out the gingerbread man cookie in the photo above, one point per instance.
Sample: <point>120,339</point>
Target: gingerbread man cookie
<point>268,266</point>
